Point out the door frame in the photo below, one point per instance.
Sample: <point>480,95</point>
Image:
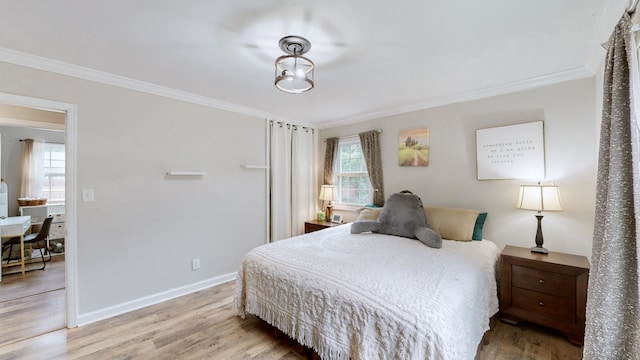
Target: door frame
<point>71,254</point>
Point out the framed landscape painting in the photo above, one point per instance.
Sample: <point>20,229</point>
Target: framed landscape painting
<point>413,148</point>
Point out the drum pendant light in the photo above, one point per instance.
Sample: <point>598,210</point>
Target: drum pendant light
<point>294,72</point>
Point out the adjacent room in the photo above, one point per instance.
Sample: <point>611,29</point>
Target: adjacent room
<point>319,180</point>
<point>32,147</point>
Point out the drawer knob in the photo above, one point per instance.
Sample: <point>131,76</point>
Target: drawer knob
<point>541,303</point>
<point>541,281</point>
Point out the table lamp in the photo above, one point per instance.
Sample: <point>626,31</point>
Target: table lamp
<point>328,193</point>
<point>541,198</point>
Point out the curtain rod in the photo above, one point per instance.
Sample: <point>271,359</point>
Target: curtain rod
<point>294,126</point>
<point>633,4</point>
<point>379,130</point>
<point>43,141</point>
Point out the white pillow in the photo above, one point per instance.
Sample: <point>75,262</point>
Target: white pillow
<point>369,214</point>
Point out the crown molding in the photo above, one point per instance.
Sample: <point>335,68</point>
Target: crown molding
<point>59,67</point>
<point>572,74</point>
<point>608,14</point>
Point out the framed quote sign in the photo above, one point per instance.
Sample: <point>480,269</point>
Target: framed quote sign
<point>511,152</point>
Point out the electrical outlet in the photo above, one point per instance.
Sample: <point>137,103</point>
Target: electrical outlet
<point>87,195</point>
<point>195,264</point>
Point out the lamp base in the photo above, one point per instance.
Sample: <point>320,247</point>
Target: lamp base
<point>329,212</point>
<point>539,240</point>
<point>539,249</point>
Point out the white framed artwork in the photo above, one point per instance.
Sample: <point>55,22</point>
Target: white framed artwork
<point>511,152</point>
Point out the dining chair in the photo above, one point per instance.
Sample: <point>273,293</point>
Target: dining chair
<point>32,240</point>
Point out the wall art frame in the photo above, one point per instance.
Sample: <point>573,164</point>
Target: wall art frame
<point>511,152</point>
<point>413,147</point>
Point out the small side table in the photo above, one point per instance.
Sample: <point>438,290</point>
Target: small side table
<point>549,290</point>
<point>315,225</point>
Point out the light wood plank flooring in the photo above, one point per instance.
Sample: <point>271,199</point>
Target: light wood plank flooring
<point>34,282</point>
<point>203,326</point>
<point>34,304</point>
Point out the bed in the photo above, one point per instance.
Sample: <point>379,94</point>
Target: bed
<point>372,296</point>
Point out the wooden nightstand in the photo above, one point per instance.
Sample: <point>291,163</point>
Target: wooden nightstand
<point>549,290</point>
<point>315,225</point>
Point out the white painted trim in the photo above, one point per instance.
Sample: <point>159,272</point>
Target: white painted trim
<point>59,67</point>
<point>94,316</point>
<point>71,257</point>
<point>71,214</point>
<point>267,160</point>
<point>347,207</point>
<point>515,86</point>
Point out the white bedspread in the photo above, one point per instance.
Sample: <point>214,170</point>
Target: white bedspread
<point>372,296</point>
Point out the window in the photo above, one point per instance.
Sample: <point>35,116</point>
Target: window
<point>351,174</point>
<point>54,165</point>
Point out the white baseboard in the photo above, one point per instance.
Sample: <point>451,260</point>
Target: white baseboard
<point>94,316</point>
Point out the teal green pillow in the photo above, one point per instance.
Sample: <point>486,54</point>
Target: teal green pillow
<point>477,229</point>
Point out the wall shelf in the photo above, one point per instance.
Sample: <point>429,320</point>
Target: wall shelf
<point>186,173</point>
<point>254,167</point>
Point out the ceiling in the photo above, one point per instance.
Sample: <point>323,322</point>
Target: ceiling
<point>373,57</point>
<point>20,116</point>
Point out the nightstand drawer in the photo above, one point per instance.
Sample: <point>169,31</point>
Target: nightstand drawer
<point>543,304</point>
<point>543,281</point>
<point>308,227</point>
<point>315,225</point>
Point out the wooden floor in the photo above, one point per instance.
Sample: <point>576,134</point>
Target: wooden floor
<point>34,304</point>
<point>203,326</point>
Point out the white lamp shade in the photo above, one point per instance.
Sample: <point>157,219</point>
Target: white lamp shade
<point>328,193</point>
<point>539,197</point>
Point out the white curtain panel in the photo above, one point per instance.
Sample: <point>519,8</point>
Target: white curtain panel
<point>304,192</point>
<point>32,169</point>
<point>292,159</point>
<point>280,172</point>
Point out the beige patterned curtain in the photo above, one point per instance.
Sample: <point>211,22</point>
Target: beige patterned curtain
<point>329,157</point>
<point>370,141</point>
<point>613,302</point>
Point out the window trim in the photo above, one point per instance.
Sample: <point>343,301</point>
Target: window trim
<point>343,141</point>
<point>56,173</point>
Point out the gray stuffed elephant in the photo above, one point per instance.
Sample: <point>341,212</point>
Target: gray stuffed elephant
<point>402,215</point>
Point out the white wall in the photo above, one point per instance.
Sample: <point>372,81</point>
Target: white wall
<point>12,157</point>
<point>137,239</point>
<point>568,111</point>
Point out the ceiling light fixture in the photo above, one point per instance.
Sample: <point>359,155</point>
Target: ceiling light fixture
<point>294,73</point>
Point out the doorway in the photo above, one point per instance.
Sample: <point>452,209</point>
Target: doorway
<point>48,296</point>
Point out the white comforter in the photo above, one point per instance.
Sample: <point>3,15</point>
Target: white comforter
<point>372,296</point>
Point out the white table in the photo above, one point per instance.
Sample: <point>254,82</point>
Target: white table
<point>15,226</point>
